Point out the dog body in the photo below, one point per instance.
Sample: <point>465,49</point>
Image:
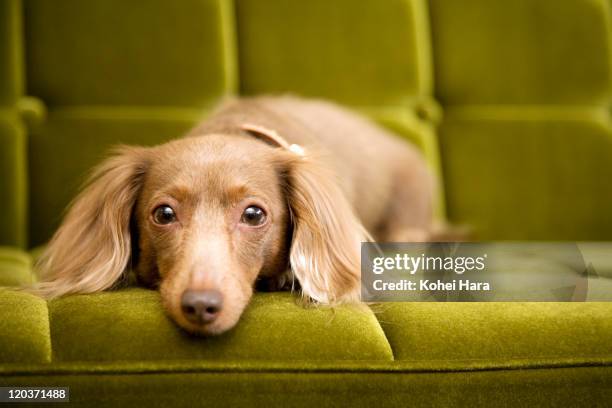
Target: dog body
<point>385,179</point>
<point>276,188</point>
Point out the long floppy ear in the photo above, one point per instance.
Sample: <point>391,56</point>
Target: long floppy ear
<point>92,248</point>
<point>327,236</point>
<point>325,252</point>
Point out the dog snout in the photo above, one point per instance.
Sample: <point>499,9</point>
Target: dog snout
<point>201,306</point>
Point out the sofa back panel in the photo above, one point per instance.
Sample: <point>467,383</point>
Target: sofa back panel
<point>526,143</point>
<point>10,52</point>
<point>373,55</point>
<point>63,152</point>
<point>113,52</point>
<point>541,178</point>
<point>13,180</point>
<point>369,53</point>
<point>114,72</point>
<point>12,133</point>
<point>521,51</point>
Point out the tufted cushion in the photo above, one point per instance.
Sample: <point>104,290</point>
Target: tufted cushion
<point>112,73</point>
<point>521,334</point>
<point>12,132</point>
<point>522,52</point>
<point>529,175</point>
<point>10,52</point>
<point>302,47</point>
<point>85,136</point>
<point>13,178</point>
<point>15,267</point>
<point>526,142</point>
<point>131,325</point>
<point>118,53</point>
<point>24,328</point>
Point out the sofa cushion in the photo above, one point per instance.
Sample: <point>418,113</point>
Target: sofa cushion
<point>15,267</point>
<point>12,134</point>
<point>285,355</point>
<point>24,328</point>
<point>112,72</point>
<point>131,325</point>
<point>517,334</point>
<point>529,174</point>
<point>526,141</point>
<point>302,47</point>
<point>407,124</point>
<point>522,51</point>
<point>13,190</point>
<point>122,53</point>
<point>85,136</point>
<point>11,76</point>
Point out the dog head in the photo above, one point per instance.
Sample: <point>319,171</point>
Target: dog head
<point>202,218</point>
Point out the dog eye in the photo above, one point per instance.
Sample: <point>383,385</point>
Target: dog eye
<point>164,214</point>
<point>253,216</point>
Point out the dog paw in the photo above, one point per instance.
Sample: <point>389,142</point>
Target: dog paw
<point>283,281</point>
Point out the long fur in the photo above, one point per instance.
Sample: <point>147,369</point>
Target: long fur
<point>327,235</point>
<point>92,248</point>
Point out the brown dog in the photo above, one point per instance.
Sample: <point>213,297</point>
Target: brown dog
<point>275,188</point>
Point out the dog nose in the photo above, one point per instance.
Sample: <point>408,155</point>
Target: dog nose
<point>201,306</point>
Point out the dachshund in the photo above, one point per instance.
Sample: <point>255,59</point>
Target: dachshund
<point>273,191</point>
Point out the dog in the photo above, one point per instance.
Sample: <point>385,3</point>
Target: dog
<point>274,191</point>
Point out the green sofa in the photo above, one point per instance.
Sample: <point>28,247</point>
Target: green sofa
<point>509,101</point>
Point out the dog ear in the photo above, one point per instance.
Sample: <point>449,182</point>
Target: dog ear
<point>92,248</point>
<point>327,236</point>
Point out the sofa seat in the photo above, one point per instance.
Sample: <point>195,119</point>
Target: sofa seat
<point>129,325</point>
<point>119,347</point>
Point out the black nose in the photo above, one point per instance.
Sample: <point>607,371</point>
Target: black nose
<point>201,306</point>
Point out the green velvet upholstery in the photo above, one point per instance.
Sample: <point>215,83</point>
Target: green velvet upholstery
<point>524,52</point>
<point>25,328</point>
<point>566,387</point>
<point>119,348</point>
<point>544,177</point>
<point>302,47</point>
<point>275,328</point>
<point>114,74</point>
<point>526,137</point>
<point>11,69</point>
<point>161,54</point>
<point>517,333</point>
<point>12,133</point>
<point>86,134</point>
<point>509,101</point>
<point>13,190</point>
<point>15,267</point>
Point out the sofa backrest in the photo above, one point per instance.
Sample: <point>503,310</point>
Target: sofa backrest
<point>110,72</point>
<point>526,140</point>
<point>523,86</point>
<point>13,183</point>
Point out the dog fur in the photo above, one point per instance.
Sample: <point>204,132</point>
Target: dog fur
<point>325,178</point>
